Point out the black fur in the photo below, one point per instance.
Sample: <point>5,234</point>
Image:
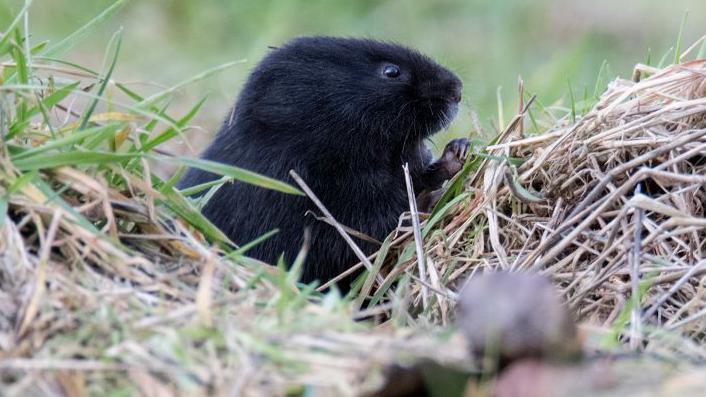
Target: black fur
<point>323,107</point>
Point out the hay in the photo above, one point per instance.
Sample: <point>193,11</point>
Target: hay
<point>610,206</point>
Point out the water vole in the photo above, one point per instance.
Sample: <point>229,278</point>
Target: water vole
<point>345,114</point>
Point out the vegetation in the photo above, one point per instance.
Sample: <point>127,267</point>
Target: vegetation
<point>112,283</point>
<point>550,43</point>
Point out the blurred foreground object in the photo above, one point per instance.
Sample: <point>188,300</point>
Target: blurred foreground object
<point>508,316</point>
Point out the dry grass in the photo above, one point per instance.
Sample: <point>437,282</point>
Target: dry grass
<point>611,206</point>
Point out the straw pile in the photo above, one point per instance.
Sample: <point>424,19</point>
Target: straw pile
<point>611,206</point>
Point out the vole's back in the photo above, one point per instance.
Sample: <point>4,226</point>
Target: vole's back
<point>345,114</point>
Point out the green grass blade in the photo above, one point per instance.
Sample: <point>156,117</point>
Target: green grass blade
<point>181,206</point>
<point>107,136</point>
<point>8,33</point>
<point>132,94</point>
<point>3,210</point>
<point>175,178</point>
<point>677,47</point>
<point>68,140</point>
<point>600,84</point>
<point>250,244</point>
<point>50,101</point>
<point>21,182</point>
<point>45,116</point>
<point>663,61</point>
<point>702,51</point>
<point>160,95</point>
<point>236,173</point>
<point>55,197</point>
<point>69,64</point>
<point>171,132</point>
<point>39,47</point>
<point>20,59</point>
<point>573,101</point>
<point>70,158</point>
<point>440,214</point>
<point>84,30</point>
<point>22,73</point>
<point>117,38</point>
<point>190,191</point>
<point>160,112</point>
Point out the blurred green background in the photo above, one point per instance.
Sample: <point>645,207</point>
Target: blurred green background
<point>488,43</point>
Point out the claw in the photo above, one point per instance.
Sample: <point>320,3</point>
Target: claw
<point>457,149</point>
<point>454,155</point>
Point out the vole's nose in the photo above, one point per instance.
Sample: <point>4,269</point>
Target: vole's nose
<point>456,88</point>
<point>456,92</point>
<point>447,88</point>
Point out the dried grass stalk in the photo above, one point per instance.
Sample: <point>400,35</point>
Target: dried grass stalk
<point>579,225</point>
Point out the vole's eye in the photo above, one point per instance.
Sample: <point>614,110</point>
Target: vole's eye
<point>391,71</point>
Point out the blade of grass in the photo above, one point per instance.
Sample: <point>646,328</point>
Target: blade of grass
<point>72,158</point>
<point>573,102</point>
<point>600,84</point>
<point>55,197</point>
<point>3,210</point>
<point>69,64</point>
<point>45,116</point>
<point>193,190</point>
<point>530,113</point>
<point>677,47</point>
<point>117,39</point>
<point>68,140</point>
<point>21,181</point>
<point>132,94</point>
<point>171,132</point>
<point>295,270</point>
<point>160,95</point>
<point>663,60</point>
<point>501,110</point>
<point>440,214</point>
<point>371,275</point>
<point>106,136</point>
<point>246,247</point>
<point>702,51</point>
<point>230,171</point>
<point>407,254</point>
<point>48,102</point>
<point>27,47</point>
<point>84,30</point>
<point>8,32</point>
<point>175,178</point>
<point>22,73</point>
<point>181,206</point>
<point>39,47</point>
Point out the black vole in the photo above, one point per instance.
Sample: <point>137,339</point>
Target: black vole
<point>345,114</point>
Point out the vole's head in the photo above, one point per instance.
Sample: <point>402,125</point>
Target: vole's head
<point>342,87</point>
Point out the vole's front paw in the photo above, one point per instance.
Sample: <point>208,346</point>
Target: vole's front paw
<point>455,154</point>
